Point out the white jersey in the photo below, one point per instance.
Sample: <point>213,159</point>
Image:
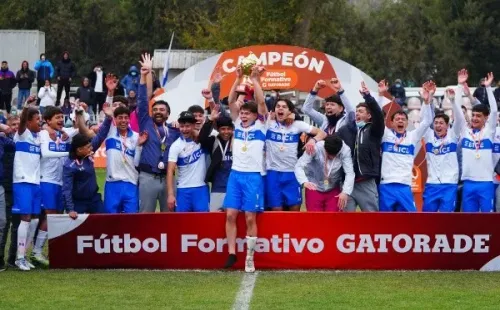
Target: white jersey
<point>399,151</point>
<point>441,155</point>
<point>496,152</point>
<point>190,161</point>
<point>120,154</point>
<point>477,145</point>
<point>27,158</point>
<point>248,147</point>
<point>282,145</point>
<point>54,154</point>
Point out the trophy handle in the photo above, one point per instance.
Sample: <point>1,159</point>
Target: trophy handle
<point>243,85</point>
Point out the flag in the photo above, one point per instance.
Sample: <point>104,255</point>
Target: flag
<point>167,59</point>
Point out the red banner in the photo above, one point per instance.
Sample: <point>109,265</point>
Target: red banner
<point>286,241</point>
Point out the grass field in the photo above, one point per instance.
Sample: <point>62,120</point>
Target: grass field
<point>103,289</point>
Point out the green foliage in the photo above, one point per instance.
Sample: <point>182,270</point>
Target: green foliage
<point>414,40</point>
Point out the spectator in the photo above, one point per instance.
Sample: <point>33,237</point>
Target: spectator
<point>67,109</point>
<point>86,94</point>
<point>65,72</point>
<point>47,96</point>
<point>131,80</point>
<point>7,83</point>
<point>480,93</point>
<point>45,71</point>
<point>132,104</point>
<point>397,91</point>
<point>156,83</point>
<point>97,82</point>
<point>13,220</point>
<point>25,78</point>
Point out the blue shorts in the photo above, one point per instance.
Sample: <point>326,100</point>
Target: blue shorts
<point>120,197</point>
<point>282,189</point>
<point>93,205</point>
<point>193,199</point>
<point>440,197</point>
<point>478,196</point>
<point>27,198</point>
<point>51,196</point>
<point>396,197</point>
<point>245,192</point>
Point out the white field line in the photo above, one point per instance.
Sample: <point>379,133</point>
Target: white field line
<point>244,296</point>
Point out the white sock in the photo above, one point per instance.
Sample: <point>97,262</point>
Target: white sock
<point>31,233</point>
<point>22,234</point>
<point>251,241</point>
<point>40,242</point>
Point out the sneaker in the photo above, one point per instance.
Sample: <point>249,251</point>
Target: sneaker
<point>22,264</point>
<point>2,268</point>
<point>39,259</point>
<point>231,260</point>
<point>249,265</point>
<point>30,264</point>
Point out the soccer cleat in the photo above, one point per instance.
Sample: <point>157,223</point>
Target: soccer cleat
<point>40,259</point>
<point>231,260</point>
<point>249,265</point>
<point>22,264</point>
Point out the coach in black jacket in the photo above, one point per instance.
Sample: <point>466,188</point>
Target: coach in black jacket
<point>363,134</point>
<point>221,156</point>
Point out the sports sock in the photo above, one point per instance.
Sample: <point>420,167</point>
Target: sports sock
<point>251,241</point>
<point>22,234</point>
<point>40,242</point>
<point>31,233</point>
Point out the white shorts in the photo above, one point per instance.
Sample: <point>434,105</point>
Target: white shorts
<point>216,201</point>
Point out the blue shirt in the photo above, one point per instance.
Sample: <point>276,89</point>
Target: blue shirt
<point>151,150</point>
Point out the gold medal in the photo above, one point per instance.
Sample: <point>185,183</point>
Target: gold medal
<point>163,147</point>
<point>326,182</point>
<point>282,148</point>
<point>478,155</point>
<point>436,151</point>
<point>244,148</point>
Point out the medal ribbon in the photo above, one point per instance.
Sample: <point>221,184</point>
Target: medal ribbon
<point>477,142</point>
<point>283,134</point>
<point>223,150</point>
<point>124,147</point>
<point>398,140</point>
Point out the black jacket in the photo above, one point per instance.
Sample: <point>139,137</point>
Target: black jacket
<point>207,144</point>
<point>65,69</point>
<point>365,142</point>
<point>86,94</point>
<point>93,79</point>
<point>8,168</point>
<point>25,79</point>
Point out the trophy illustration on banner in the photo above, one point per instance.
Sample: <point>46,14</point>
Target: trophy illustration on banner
<point>246,65</point>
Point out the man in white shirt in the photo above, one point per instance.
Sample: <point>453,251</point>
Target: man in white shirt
<point>187,155</point>
<point>477,151</point>
<point>441,153</point>
<point>26,182</point>
<point>245,188</point>
<point>282,140</point>
<point>398,153</point>
<point>55,142</point>
<point>324,176</point>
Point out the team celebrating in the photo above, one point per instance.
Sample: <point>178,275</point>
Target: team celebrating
<point>253,158</point>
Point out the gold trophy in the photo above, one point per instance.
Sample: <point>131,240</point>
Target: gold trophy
<point>246,65</point>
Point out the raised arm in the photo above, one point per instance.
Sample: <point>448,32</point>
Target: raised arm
<point>347,166</point>
<point>258,92</point>
<point>337,87</point>
<point>378,124</point>
<point>308,108</point>
<point>22,121</point>
<point>426,115</point>
<point>456,98</point>
<point>207,141</point>
<point>142,93</point>
<point>492,118</point>
<point>101,135</point>
<point>234,107</point>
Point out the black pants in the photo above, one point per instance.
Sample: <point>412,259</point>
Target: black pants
<point>100,99</point>
<point>5,102</point>
<point>13,221</point>
<point>62,83</point>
